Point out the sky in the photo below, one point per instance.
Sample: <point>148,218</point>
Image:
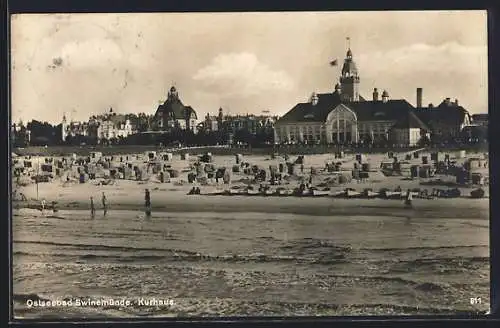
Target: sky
<point>83,64</point>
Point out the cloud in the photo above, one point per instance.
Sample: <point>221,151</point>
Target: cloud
<point>90,53</point>
<point>242,75</point>
<point>448,57</point>
<point>446,70</point>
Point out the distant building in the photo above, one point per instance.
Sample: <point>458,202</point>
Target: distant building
<point>101,127</point>
<point>174,114</point>
<point>480,119</point>
<point>73,129</point>
<point>113,126</point>
<point>20,135</point>
<point>447,120</point>
<point>230,124</point>
<point>212,123</point>
<point>344,116</point>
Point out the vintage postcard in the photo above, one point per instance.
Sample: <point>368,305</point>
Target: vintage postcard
<point>249,164</point>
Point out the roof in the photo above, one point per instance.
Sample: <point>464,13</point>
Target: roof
<point>306,112</point>
<point>377,110</point>
<point>410,121</point>
<point>373,110</point>
<point>480,117</point>
<point>175,106</point>
<point>444,113</point>
<point>349,65</point>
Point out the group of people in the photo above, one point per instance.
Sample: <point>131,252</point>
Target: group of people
<point>43,206</point>
<point>104,201</point>
<point>104,204</point>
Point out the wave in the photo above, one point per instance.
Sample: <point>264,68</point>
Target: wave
<point>178,256</point>
<point>96,247</point>
<point>389,249</point>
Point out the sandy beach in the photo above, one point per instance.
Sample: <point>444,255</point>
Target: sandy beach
<point>252,255</point>
<point>172,195</point>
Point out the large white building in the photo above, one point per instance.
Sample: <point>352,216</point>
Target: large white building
<point>103,127</point>
<point>344,116</point>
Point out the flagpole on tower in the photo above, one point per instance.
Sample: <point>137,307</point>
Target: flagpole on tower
<point>348,42</point>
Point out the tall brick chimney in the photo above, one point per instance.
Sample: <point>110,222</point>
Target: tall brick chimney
<point>419,97</point>
<point>375,94</point>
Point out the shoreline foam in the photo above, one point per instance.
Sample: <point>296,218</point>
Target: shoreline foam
<point>443,208</point>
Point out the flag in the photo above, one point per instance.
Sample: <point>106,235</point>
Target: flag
<point>333,62</point>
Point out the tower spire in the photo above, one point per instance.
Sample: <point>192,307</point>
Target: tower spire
<point>348,43</point>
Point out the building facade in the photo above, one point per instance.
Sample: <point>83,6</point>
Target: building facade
<point>73,129</point>
<point>446,121</point>
<point>113,126</point>
<point>174,114</point>
<point>480,119</point>
<point>102,127</point>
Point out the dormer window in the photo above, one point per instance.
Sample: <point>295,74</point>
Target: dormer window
<point>314,99</point>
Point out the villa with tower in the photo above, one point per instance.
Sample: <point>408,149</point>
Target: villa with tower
<point>344,116</point>
<point>174,114</point>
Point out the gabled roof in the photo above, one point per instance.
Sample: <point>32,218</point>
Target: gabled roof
<point>307,112</point>
<point>373,110</point>
<point>410,121</point>
<point>377,110</point>
<point>191,111</point>
<point>480,117</point>
<point>444,113</point>
<point>176,108</point>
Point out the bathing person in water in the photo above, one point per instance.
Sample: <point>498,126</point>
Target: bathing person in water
<point>92,207</point>
<point>104,203</point>
<point>147,202</point>
<point>408,200</point>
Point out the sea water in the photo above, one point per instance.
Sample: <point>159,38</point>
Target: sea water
<point>239,264</point>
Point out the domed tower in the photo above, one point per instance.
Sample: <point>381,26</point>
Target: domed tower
<point>349,80</point>
<point>220,118</point>
<point>173,94</point>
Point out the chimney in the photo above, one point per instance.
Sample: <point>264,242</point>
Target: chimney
<point>456,102</point>
<point>375,94</point>
<point>447,101</point>
<point>431,105</point>
<point>419,97</point>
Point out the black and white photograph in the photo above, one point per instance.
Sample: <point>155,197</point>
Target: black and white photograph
<point>249,164</point>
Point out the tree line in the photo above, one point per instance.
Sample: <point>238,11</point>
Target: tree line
<point>37,133</point>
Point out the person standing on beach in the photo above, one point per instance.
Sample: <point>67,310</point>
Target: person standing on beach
<point>43,203</point>
<point>92,207</point>
<point>147,202</point>
<point>104,203</point>
<point>408,200</point>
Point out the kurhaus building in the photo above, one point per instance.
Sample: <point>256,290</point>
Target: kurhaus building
<point>344,116</point>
